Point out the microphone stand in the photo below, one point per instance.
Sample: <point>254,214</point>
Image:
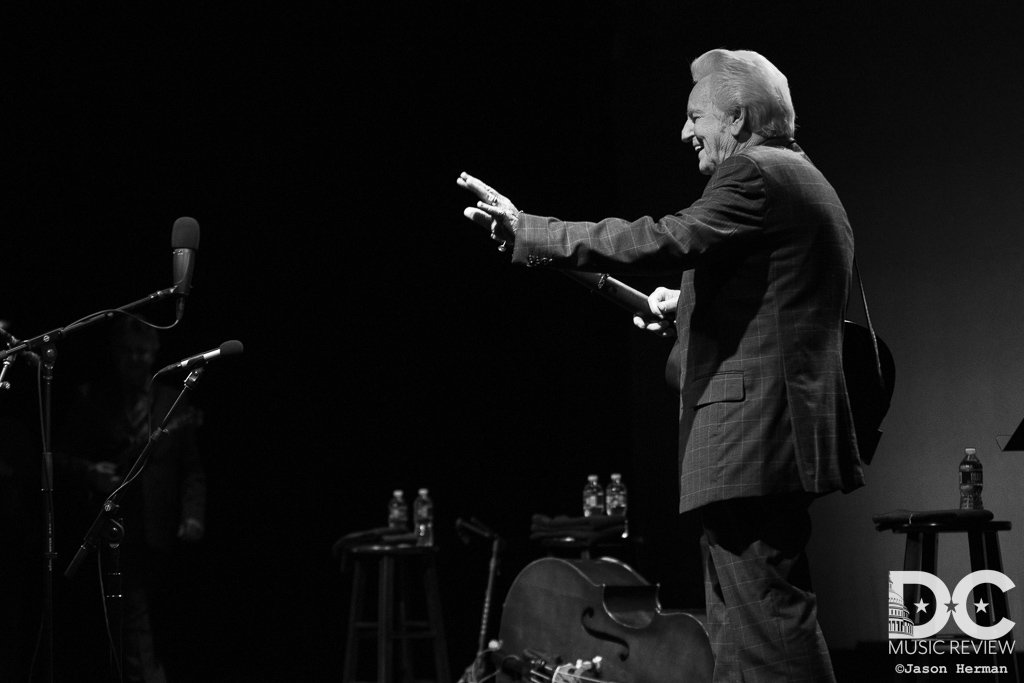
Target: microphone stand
<point>59,333</point>
<point>496,546</point>
<point>8,362</point>
<point>497,543</point>
<point>108,524</point>
<point>48,356</point>
<point>102,523</point>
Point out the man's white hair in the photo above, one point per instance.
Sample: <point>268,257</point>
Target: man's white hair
<point>742,78</point>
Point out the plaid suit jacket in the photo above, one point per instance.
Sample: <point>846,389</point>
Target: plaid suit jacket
<point>766,257</point>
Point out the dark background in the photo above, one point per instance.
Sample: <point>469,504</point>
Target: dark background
<point>388,344</point>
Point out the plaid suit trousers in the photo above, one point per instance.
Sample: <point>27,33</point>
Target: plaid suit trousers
<point>762,613</point>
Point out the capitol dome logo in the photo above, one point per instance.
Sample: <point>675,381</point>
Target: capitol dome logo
<point>900,624</point>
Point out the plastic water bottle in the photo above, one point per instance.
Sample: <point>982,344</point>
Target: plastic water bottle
<point>593,497</point>
<point>423,512</point>
<point>970,481</point>
<point>615,501</point>
<point>398,512</point>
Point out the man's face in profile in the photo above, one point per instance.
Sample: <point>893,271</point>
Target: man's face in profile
<point>707,128</point>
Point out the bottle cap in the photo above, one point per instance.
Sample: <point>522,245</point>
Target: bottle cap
<point>616,476</point>
<point>592,477</point>
<point>423,492</point>
<point>970,451</point>
<point>397,493</point>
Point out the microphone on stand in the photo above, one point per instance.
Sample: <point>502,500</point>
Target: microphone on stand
<point>11,340</point>
<point>474,526</point>
<point>185,242</point>
<point>228,348</point>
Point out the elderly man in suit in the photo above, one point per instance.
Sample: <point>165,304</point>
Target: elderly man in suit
<point>765,425</point>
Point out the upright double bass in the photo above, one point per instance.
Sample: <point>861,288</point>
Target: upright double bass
<point>569,621</point>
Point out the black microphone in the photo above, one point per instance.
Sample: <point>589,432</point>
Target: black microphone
<point>185,242</point>
<point>11,340</point>
<point>228,348</point>
<point>475,526</point>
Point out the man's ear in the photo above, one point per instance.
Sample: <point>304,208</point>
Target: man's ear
<point>738,127</point>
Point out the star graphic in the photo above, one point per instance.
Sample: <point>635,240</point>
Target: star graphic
<point>951,606</point>
<point>921,605</point>
<point>980,606</point>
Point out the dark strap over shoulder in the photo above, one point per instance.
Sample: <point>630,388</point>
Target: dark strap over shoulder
<point>871,328</point>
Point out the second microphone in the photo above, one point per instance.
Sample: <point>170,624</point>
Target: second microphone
<point>228,348</point>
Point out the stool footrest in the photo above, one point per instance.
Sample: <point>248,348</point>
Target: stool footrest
<point>407,626</point>
<point>363,632</point>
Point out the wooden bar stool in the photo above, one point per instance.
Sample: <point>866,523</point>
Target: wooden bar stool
<point>922,554</point>
<point>388,625</point>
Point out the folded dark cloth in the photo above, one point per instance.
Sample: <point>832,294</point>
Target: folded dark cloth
<point>587,529</point>
<point>562,522</point>
<point>585,536</point>
<point>888,520</point>
<point>379,536</point>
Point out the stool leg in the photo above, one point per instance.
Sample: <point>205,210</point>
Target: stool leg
<point>912,553</point>
<point>985,554</point>
<point>930,553</point>
<point>979,560</point>
<point>921,552</point>
<point>354,613</point>
<point>994,561</point>
<point>385,620</point>
<point>434,608</point>
<point>403,622</point>
<point>921,555</point>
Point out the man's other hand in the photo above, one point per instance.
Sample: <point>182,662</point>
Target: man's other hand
<point>663,303</point>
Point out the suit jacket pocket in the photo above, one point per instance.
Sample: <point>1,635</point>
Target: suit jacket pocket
<point>717,388</point>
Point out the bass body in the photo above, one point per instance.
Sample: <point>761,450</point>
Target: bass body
<point>602,612</point>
